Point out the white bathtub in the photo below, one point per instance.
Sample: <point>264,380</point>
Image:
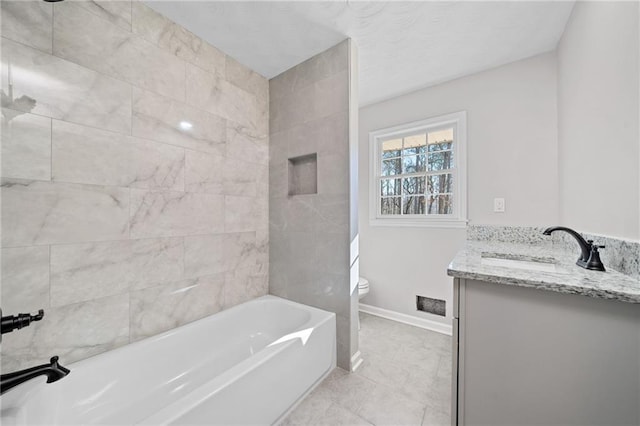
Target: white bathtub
<point>247,365</point>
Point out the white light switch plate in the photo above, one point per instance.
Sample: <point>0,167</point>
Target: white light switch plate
<point>498,205</point>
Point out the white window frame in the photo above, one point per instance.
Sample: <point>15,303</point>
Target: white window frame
<point>458,219</point>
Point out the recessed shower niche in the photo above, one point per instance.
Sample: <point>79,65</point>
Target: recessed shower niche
<point>303,174</point>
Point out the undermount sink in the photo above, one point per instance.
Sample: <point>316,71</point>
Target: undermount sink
<point>531,265</point>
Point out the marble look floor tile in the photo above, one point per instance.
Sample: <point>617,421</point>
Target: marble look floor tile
<point>161,308</point>
<point>86,155</point>
<point>345,389</point>
<point>167,214</point>
<point>28,22</point>
<point>435,417</point>
<point>439,342</point>
<point>381,346</point>
<point>246,144</point>
<point>160,118</point>
<point>176,39</point>
<point>445,367</point>
<point>204,173</point>
<point>216,95</point>
<point>52,87</point>
<point>36,213</point>
<point>415,355</point>
<point>402,403</point>
<point>240,214</point>
<point>109,49</point>
<point>204,255</point>
<point>25,279</point>
<point>340,416</point>
<point>424,387</point>
<point>317,409</point>
<point>81,272</point>
<point>385,407</point>
<point>117,12</point>
<point>384,371</point>
<point>26,145</point>
<point>309,412</point>
<point>72,332</point>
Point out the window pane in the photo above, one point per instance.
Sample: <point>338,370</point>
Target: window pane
<point>413,205</point>
<point>413,185</point>
<point>391,167</point>
<point>390,187</point>
<point>413,164</point>
<point>391,148</point>
<point>440,160</point>
<point>390,205</point>
<point>440,204</point>
<point>440,183</point>
<point>415,144</point>
<point>439,136</point>
<point>440,146</point>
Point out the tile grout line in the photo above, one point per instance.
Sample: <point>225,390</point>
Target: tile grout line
<point>161,237</point>
<point>100,129</point>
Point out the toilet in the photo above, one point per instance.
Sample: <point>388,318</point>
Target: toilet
<point>363,287</point>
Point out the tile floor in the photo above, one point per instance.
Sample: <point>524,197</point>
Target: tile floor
<point>405,380</point>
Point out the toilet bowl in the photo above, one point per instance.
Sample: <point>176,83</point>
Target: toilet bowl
<point>363,287</point>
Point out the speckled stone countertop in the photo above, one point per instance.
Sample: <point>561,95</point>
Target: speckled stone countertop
<point>567,278</point>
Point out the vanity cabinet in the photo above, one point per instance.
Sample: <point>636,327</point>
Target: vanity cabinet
<point>525,356</point>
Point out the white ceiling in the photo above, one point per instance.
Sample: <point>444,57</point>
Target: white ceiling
<point>403,45</point>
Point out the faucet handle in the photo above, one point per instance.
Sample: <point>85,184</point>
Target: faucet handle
<point>594,262</point>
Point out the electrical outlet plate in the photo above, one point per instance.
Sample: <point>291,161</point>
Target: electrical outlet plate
<point>498,205</point>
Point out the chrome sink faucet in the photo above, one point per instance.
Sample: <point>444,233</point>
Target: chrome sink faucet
<point>589,255</point>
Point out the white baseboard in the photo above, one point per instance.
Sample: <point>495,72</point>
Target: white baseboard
<point>407,319</point>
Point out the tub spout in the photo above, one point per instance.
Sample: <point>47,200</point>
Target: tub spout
<point>53,371</point>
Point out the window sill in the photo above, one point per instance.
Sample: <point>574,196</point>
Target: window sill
<point>419,223</point>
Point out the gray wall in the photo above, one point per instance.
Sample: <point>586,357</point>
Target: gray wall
<point>116,221</point>
<point>310,234</point>
<point>511,146</point>
<point>598,119</point>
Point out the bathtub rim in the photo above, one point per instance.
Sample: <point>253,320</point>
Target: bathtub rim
<point>18,399</point>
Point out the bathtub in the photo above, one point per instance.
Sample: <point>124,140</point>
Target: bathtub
<point>247,365</point>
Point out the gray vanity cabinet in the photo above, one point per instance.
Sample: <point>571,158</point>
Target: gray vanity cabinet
<point>525,356</point>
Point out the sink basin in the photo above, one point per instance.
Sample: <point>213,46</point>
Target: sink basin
<point>531,265</point>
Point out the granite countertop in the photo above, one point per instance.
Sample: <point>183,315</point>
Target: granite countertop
<point>567,278</point>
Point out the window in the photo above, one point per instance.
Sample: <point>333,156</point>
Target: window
<point>418,173</point>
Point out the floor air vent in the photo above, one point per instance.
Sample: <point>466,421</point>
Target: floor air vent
<point>432,306</point>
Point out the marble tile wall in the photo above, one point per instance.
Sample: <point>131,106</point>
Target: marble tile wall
<point>309,234</point>
<point>117,220</point>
